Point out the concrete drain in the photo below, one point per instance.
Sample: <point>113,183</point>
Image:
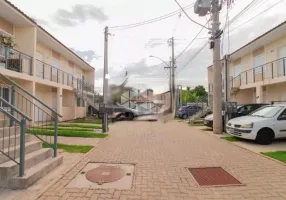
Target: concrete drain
<point>102,176</point>
<point>105,174</point>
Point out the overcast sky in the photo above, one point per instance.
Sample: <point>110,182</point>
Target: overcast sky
<point>79,24</point>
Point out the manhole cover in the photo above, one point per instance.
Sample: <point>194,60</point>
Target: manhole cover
<point>213,176</point>
<point>105,174</point>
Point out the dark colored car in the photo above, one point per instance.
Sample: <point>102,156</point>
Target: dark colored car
<point>186,111</point>
<point>242,110</point>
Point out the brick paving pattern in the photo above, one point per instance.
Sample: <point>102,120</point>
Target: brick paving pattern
<point>161,152</point>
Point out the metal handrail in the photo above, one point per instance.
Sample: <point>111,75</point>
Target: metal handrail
<point>53,67</point>
<point>11,116</point>
<point>16,109</point>
<point>28,93</point>
<point>16,50</point>
<point>259,66</point>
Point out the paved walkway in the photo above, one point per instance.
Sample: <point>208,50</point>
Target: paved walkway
<point>161,153</point>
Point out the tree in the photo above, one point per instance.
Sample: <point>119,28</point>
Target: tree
<point>200,91</point>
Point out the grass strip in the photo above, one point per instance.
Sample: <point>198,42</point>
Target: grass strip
<point>80,126</point>
<point>71,148</point>
<point>68,133</point>
<point>97,121</point>
<point>230,139</point>
<point>278,155</point>
<point>67,128</point>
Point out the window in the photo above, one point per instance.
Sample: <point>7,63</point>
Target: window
<point>282,60</point>
<point>5,94</point>
<point>282,115</point>
<point>79,102</point>
<point>237,69</point>
<point>258,63</point>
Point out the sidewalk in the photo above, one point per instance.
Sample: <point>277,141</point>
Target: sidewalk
<point>162,152</point>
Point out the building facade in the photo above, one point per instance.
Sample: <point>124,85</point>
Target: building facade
<point>257,70</point>
<point>42,65</point>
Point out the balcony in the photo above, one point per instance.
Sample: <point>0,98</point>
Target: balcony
<point>14,60</point>
<point>48,72</point>
<point>273,72</point>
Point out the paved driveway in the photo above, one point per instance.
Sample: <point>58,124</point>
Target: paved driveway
<point>162,151</point>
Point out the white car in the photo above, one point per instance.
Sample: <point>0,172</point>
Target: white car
<point>263,125</point>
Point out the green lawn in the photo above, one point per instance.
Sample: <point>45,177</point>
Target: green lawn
<point>96,121</point>
<point>230,139</point>
<point>71,148</point>
<point>278,155</point>
<point>69,133</point>
<point>80,126</point>
<point>70,128</point>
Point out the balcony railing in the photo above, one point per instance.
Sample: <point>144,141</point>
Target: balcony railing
<point>48,72</point>
<point>14,60</point>
<point>271,70</point>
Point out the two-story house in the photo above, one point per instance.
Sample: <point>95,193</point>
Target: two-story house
<point>257,70</point>
<point>42,65</point>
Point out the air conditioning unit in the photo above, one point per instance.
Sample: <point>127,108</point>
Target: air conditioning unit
<point>202,7</point>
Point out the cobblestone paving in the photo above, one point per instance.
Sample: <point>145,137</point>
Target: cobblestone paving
<point>161,152</point>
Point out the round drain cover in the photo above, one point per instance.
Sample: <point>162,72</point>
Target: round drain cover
<point>105,174</point>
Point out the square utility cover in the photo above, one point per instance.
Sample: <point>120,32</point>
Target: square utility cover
<point>213,176</point>
<point>103,176</point>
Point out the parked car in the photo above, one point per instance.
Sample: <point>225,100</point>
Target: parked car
<point>186,111</point>
<point>263,125</point>
<point>242,110</point>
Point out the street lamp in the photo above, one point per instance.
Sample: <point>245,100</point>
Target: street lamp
<point>171,82</point>
<point>151,56</point>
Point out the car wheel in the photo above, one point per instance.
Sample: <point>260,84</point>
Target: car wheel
<point>265,136</point>
<point>130,116</point>
<point>185,116</point>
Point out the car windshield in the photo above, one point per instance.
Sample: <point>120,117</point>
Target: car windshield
<point>267,112</point>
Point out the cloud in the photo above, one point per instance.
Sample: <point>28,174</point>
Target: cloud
<point>88,55</point>
<point>79,14</point>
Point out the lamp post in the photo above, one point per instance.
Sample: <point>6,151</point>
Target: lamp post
<point>169,66</point>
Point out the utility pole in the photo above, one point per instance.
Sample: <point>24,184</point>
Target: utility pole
<point>217,98</point>
<point>105,81</point>
<point>173,78</point>
<point>202,7</point>
<point>226,87</point>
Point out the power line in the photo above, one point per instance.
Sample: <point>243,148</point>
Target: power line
<point>192,40</point>
<point>176,26</point>
<point>127,26</point>
<point>267,9</point>
<point>199,51</point>
<point>188,15</point>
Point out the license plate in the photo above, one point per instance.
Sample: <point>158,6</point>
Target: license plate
<point>230,130</point>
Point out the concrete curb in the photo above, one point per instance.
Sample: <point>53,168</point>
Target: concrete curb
<point>234,143</point>
<point>42,191</point>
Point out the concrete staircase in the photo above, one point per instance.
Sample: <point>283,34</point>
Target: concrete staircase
<point>38,161</point>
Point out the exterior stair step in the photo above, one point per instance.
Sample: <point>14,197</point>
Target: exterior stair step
<point>4,123</point>
<point>4,131</point>
<point>15,152</point>
<point>13,140</point>
<point>10,168</point>
<point>33,174</point>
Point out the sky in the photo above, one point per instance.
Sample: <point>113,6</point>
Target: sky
<point>79,24</point>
